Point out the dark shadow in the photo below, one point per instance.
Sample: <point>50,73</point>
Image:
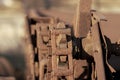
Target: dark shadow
<point>116,75</point>
<point>81,54</point>
<point>82,76</point>
<point>113,49</point>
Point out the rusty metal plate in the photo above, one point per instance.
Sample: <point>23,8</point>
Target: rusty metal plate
<point>82,20</point>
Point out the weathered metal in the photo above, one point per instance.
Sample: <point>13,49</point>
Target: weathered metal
<point>58,51</point>
<point>98,53</point>
<point>82,20</point>
<point>54,49</point>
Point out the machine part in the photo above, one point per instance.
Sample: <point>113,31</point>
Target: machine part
<point>102,47</point>
<point>45,31</point>
<point>82,18</point>
<point>40,32</point>
<point>43,49</point>
<point>98,54</point>
<point>59,70</point>
<point>57,48</point>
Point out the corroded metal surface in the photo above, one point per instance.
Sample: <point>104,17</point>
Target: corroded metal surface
<point>44,44</point>
<point>82,18</point>
<point>42,49</point>
<point>63,55</point>
<point>56,50</point>
<point>97,53</point>
<point>61,52</point>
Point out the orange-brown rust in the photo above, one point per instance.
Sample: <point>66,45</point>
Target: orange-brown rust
<point>56,62</point>
<point>82,19</point>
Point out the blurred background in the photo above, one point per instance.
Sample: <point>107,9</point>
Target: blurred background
<point>12,27</point>
<point>70,5</point>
